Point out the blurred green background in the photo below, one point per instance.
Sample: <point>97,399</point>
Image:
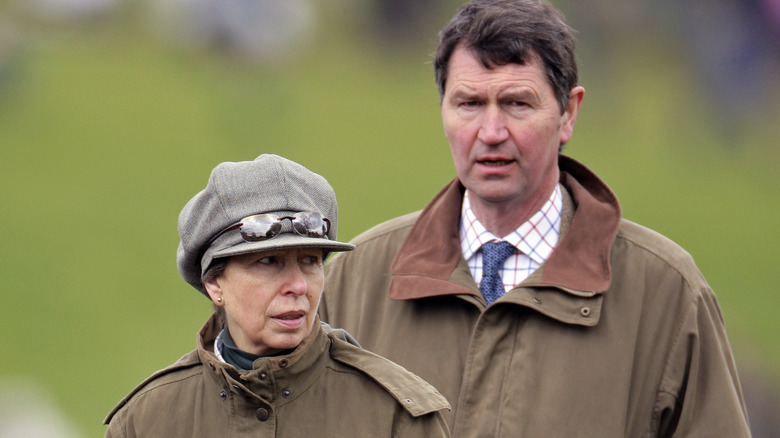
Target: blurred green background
<point>108,125</point>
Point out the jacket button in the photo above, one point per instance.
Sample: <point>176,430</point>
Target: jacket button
<point>283,363</point>
<point>263,375</point>
<point>286,393</point>
<point>585,311</point>
<point>262,414</point>
<point>223,395</point>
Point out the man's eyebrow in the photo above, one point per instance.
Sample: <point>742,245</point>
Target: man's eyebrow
<point>519,94</point>
<point>462,92</point>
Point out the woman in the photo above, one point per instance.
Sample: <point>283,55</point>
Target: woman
<point>253,241</point>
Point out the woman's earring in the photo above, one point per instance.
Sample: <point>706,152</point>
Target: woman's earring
<point>219,299</point>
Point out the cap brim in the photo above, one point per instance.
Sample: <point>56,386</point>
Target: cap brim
<point>283,241</point>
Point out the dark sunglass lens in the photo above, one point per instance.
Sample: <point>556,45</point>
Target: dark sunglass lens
<point>309,224</point>
<point>260,228</point>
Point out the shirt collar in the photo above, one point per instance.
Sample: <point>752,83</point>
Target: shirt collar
<point>535,238</point>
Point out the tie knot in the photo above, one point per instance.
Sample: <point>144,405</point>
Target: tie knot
<point>496,252</point>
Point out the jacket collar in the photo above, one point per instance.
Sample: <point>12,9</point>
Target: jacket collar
<point>287,375</point>
<point>426,264</point>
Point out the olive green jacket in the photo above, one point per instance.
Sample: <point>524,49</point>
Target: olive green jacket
<point>325,388</point>
<point>616,335</point>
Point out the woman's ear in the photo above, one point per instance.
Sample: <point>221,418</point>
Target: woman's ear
<point>214,290</point>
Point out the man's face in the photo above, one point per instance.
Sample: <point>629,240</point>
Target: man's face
<point>505,126</point>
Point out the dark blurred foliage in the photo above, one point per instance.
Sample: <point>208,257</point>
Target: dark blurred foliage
<point>732,46</point>
<point>403,22</point>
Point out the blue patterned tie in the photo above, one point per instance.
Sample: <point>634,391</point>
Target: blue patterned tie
<point>494,254</point>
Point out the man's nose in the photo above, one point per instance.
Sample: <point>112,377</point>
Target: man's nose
<point>493,129</point>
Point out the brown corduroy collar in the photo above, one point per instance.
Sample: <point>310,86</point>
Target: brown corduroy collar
<point>580,262</point>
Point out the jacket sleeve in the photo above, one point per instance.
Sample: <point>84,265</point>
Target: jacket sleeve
<point>700,394</point>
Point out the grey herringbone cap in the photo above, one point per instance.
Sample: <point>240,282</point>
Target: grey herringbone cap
<point>269,184</point>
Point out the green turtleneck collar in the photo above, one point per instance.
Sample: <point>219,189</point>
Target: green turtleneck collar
<point>237,357</point>
<point>232,355</point>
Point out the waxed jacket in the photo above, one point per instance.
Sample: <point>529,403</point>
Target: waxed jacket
<point>325,388</point>
<point>616,335</point>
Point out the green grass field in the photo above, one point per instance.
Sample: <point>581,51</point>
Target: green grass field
<point>105,135</point>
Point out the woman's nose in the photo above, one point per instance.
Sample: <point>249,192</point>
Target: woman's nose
<point>295,281</point>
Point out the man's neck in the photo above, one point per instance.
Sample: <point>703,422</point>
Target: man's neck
<point>502,218</point>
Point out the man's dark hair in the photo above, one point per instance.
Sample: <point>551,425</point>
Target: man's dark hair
<point>501,32</point>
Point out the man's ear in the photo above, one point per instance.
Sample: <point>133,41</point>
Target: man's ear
<point>569,116</point>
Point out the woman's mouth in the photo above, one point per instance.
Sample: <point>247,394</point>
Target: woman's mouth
<point>292,320</point>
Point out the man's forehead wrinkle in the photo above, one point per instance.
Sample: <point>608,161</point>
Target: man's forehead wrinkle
<point>509,88</point>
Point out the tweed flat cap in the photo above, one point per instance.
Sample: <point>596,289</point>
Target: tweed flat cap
<point>236,190</point>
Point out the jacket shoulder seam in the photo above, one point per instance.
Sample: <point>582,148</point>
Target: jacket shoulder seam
<point>414,394</point>
<point>677,254</point>
<point>385,228</point>
<point>188,361</point>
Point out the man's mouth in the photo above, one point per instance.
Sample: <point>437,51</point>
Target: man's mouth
<point>494,163</point>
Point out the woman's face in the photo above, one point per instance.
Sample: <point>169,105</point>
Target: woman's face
<point>270,298</point>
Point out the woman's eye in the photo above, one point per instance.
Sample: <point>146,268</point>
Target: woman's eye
<point>311,259</point>
<point>270,260</point>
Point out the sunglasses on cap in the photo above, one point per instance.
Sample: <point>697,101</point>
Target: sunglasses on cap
<point>266,226</point>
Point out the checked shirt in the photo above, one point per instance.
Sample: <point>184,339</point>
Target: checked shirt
<point>535,240</point>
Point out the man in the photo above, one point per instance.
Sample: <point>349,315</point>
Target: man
<point>581,323</point>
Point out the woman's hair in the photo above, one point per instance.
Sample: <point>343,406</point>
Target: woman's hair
<point>501,32</point>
